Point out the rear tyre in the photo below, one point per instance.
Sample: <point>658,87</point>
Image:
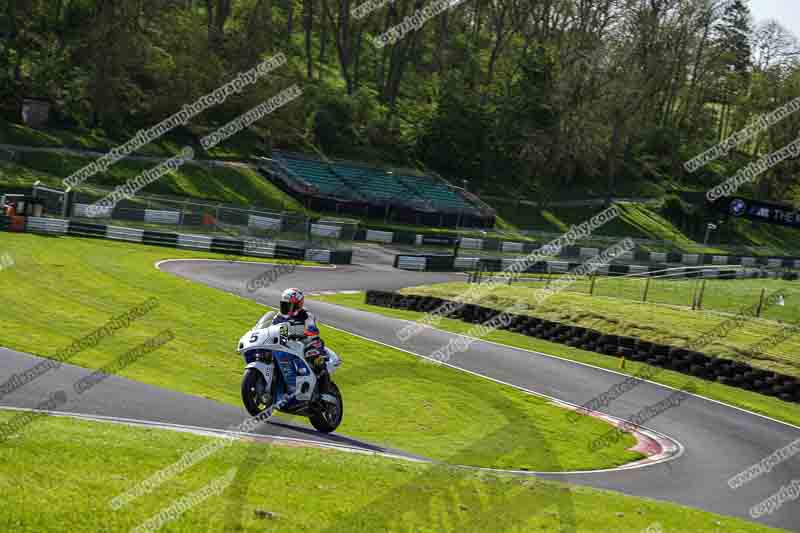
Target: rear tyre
<point>255,396</point>
<point>329,415</point>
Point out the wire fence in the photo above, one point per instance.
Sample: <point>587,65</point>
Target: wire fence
<point>722,295</point>
<point>193,216</point>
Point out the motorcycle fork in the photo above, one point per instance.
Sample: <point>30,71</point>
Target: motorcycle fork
<point>322,382</point>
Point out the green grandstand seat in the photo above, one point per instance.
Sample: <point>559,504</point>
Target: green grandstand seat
<point>343,179</point>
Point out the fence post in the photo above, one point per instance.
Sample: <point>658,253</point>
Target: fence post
<point>646,289</point>
<point>591,284</point>
<point>761,303</point>
<point>700,296</point>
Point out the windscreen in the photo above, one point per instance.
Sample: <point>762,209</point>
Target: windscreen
<point>265,320</point>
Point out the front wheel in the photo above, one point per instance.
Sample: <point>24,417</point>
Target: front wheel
<point>329,415</point>
<point>255,396</point>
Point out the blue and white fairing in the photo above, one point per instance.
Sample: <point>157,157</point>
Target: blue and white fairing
<point>299,380</point>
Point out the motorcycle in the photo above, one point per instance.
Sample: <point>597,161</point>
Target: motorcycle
<point>277,376</point>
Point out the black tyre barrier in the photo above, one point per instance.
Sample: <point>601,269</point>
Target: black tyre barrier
<point>227,246</point>
<point>82,229</point>
<point>160,238</point>
<point>341,257</point>
<point>703,366</point>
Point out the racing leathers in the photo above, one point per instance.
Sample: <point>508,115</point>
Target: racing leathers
<point>303,326</point>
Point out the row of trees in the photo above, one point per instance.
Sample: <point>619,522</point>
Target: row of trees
<point>530,96</point>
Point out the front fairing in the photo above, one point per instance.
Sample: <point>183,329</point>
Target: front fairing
<point>272,338</point>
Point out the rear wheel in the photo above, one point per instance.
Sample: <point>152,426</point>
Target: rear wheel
<point>329,415</point>
<point>255,396</point>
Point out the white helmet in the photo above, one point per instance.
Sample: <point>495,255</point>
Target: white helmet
<point>292,302</point>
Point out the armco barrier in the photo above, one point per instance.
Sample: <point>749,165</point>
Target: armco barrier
<point>194,242</point>
<point>700,365</point>
<point>333,257</point>
<point>411,262</point>
<point>320,256</point>
<point>430,263</point>
<point>441,263</point>
<point>54,226</point>
<point>223,245</point>
<point>379,236</point>
<point>568,252</point>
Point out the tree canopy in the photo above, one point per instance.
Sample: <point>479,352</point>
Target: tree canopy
<point>523,95</point>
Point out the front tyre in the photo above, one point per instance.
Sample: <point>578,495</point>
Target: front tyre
<point>329,415</point>
<point>255,396</point>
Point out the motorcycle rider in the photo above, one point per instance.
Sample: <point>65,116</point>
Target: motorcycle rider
<point>302,326</point>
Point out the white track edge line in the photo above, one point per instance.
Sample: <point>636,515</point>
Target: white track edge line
<point>210,432</point>
<point>678,445</point>
<point>326,267</point>
<point>767,417</point>
<point>221,433</point>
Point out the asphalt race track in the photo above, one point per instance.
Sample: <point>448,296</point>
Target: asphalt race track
<point>719,441</point>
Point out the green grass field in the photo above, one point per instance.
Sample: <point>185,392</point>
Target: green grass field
<point>86,464</point>
<point>62,288</point>
<point>667,317</point>
<point>726,296</point>
<point>746,399</point>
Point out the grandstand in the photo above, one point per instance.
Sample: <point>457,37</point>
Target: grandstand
<point>398,195</point>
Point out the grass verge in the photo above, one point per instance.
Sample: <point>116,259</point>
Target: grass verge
<point>62,288</point>
<point>666,318</point>
<point>305,489</point>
